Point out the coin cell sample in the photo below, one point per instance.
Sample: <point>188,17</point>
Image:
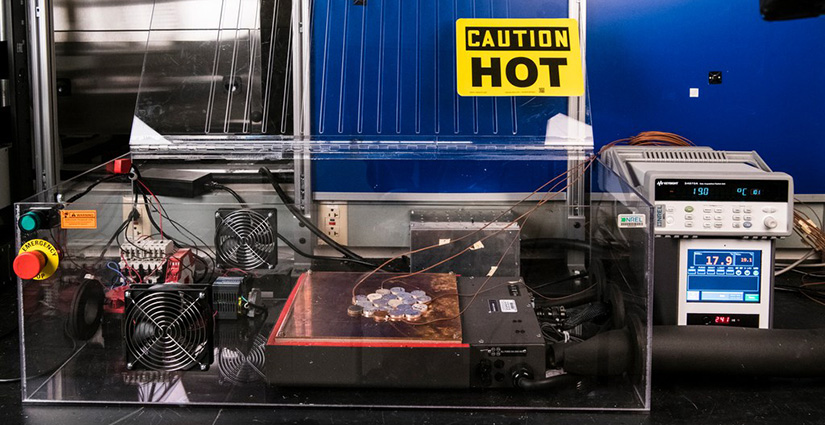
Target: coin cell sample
<point>424,299</point>
<point>374,296</point>
<point>369,311</point>
<point>380,316</point>
<point>355,310</point>
<point>397,290</point>
<point>383,291</point>
<point>420,307</point>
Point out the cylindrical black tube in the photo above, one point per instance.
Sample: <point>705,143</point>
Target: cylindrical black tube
<point>702,350</point>
<point>739,351</point>
<point>608,353</point>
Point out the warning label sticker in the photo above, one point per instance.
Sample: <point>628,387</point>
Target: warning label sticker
<point>518,57</point>
<point>78,219</point>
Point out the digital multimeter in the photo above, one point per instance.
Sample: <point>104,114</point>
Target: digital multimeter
<point>717,215</point>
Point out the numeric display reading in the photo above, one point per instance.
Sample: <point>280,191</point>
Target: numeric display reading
<point>722,190</point>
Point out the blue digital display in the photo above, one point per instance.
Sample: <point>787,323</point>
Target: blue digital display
<point>723,275</point>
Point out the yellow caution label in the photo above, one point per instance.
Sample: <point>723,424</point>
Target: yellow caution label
<point>52,256</point>
<point>78,219</point>
<point>518,57</point>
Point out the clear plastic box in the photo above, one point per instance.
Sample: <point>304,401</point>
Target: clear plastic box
<point>194,281</point>
<point>82,341</point>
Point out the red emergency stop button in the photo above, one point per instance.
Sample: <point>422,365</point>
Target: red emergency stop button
<point>27,265</point>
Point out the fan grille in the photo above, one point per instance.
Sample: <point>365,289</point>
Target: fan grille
<point>238,367</point>
<point>168,329</point>
<point>246,239</point>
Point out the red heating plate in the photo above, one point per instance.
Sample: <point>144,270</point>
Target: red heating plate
<point>315,313</point>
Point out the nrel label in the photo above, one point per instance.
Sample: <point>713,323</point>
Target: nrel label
<point>518,57</point>
<point>631,220</point>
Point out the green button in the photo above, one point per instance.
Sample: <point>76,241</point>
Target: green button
<point>688,209</point>
<point>29,222</point>
<point>752,297</point>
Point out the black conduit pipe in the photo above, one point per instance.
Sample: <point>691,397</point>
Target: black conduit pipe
<point>703,350</point>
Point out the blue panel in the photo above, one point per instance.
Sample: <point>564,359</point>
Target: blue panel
<point>644,56</point>
<point>450,176</point>
<point>386,71</point>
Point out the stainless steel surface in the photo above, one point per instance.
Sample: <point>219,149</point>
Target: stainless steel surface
<point>4,93</point>
<point>43,93</point>
<point>3,35</point>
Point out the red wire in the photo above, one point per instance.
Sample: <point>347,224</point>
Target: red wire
<point>157,207</point>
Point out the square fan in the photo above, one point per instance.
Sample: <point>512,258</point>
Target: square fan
<point>168,327</point>
<point>246,239</point>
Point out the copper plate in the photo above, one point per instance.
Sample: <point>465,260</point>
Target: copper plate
<point>318,310</point>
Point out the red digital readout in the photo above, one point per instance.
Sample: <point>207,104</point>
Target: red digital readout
<point>722,320</point>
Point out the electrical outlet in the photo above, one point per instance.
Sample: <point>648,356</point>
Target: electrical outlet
<point>333,222</point>
<point>141,226</point>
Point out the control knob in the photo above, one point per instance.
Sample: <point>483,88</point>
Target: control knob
<point>770,222</point>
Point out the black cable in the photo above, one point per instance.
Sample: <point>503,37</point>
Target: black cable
<point>47,371</point>
<point>288,243</point>
<point>322,257</point>
<point>541,243</point>
<point>175,224</point>
<point>546,383</point>
<point>303,220</point>
<point>231,192</point>
<point>92,186</point>
<point>562,280</point>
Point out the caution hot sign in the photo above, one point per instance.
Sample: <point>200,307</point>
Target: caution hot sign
<point>518,57</point>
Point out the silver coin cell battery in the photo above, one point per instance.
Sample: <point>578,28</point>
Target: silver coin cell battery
<point>420,307</point>
<point>374,296</point>
<point>405,296</point>
<point>408,301</point>
<point>394,303</point>
<point>369,311</point>
<point>380,302</point>
<point>396,314</point>
<point>412,315</point>
<point>364,303</point>
<point>383,291</point>
<point>418,293</point>
<point>361,298</point>
<point>424,299</point>
<point>405,307</point>
<point>397,290</point>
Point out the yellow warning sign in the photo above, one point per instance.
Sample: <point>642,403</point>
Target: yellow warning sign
<point>52,256</point>
<point>78,219</point>
<point>518,57</point>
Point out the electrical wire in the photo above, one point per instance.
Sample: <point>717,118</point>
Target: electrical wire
<point>305,221</point>
<point>286,241</point>
<point>321,257</point>
<point>92,186</point>
<point>795,263</point>
<point>468,235</point>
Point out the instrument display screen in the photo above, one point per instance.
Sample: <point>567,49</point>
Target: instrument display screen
<point>727,276</point>
<point>722,190</point>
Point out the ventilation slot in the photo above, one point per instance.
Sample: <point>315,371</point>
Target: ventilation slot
<point>678,155</point>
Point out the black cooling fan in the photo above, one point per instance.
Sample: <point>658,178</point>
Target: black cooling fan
<point>168,327</point>
<point>246,239</point>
